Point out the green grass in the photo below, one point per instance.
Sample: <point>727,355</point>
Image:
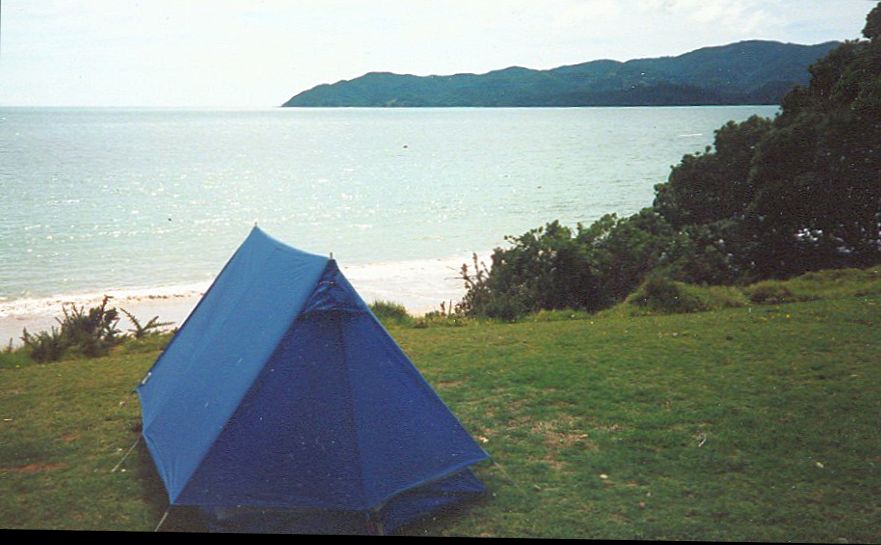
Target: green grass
<point>754,423</point>
<point>824,284</point>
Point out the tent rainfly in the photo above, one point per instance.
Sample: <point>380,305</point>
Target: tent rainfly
<point>283,405</point>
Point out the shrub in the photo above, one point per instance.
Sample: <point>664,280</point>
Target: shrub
<point>702,254</point>
<point>723,296</point>
<point>663,295</point>
<point>45,346</point>
<point>477,288</point>
<point>506,307</point>
<point>141,331</point>
<point>440,319</point>
<point>660,294</point>
<point>391,313</point>
<point>553,267</point>
<point>91,333</point>
<point>770,293</point>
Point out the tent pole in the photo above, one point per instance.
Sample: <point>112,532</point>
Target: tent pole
<point>138,440</point>
<point>161,520</point>
<point>505,474</point>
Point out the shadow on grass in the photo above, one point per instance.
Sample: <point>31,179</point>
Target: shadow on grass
<point>180,518</point>
<point>435,523</point>
<point>191,519</point>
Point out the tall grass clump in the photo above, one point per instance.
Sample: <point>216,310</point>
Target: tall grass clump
<point>837,283</point>
<point>662,295</point>
<point>772,292</point>
<point>391,313</point>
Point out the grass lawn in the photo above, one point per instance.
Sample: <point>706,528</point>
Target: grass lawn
<point>756,423</point>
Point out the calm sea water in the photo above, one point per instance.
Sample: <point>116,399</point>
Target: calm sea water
<point>92,199</point>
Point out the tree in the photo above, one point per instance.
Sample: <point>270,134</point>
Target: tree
<point>872,30</point>
<point>818,173</point>
<point>715,185</point>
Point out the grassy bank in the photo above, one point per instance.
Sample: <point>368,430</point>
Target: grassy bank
<point>756,422</point>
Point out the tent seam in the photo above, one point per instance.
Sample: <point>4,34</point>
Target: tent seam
<point>351,411</point>
<point>424,482</point>
<point>253,386</point>
<point>165,350</point>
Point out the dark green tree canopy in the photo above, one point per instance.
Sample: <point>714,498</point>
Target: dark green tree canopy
<point>872,30</point>
<point>770,198</point>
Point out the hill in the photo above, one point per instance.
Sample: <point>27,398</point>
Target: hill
<point>750,72</point>
<point>756,423</point>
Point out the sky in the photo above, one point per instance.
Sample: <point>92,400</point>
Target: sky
<point>246,53</point>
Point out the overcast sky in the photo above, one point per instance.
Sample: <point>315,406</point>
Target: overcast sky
<point>260,53</point>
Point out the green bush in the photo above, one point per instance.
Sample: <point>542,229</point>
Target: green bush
<point>660,294</point>
<point>441,319</point>
<point>92,333</point>
<point>770,293</point>
<point>391,313</point>
<point>555,267</point>
<point>770,199</point>
<point>665,296</point>
<point>142,330</point>
<point>45,346</point>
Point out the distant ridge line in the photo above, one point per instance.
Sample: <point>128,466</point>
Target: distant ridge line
<point>747,72</point>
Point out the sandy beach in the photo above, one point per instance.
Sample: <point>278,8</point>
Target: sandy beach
<point>420,285</point>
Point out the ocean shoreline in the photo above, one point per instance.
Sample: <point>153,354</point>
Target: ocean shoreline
<point>420,285</point>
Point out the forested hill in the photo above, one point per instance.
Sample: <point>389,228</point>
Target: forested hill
<point>750,72</point>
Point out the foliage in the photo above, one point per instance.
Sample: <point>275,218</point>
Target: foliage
<point>390,313</point>
<point>93,332</point>
<point>658,294</point>
<point>621,252</point>
<point>439,319</point>
<point>872,30</point>
<point>819,171</point>
<point>771,293</point>
<point>707,187</point>
<point>823,284</point>
<point>493,297</point>
<point>45,346</point>
<point>770,199</point>
<point>552,267</point>
<point>704,254</point>
<point>90,333</point>
<point>150,328</point>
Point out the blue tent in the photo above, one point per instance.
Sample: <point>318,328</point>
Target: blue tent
<point>283,405</point>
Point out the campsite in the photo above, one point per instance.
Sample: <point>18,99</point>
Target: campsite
<point>282,397</point>
<point>682,353</point>
<point>756,423</point>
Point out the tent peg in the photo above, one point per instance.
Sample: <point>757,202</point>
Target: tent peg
<point>161,520</point>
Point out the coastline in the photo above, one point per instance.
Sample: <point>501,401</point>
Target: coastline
<point>420,285</point>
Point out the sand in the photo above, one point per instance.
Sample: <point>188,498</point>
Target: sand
<point>419,285</point>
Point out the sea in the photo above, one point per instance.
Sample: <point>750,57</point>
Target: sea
<point>152,202</point>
